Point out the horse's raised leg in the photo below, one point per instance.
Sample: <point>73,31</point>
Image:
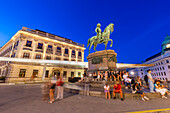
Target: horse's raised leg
<point>111,42</point>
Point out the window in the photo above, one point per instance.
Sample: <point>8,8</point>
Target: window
<point>160,68</point>
<point>12,56</point>
<point>28,44</point>
<point>72,74</point>
<point>163,68</point>
<point>40,45</point>
<point>57,58</point>
<point>66,51</point>
<point>79,74</point>
<point>73,52</point>
<point>65,59</point>
<point>35,73</point>
<point>49,47</point>
<point>167,61</point>
<point>161,73</point>
<point>26,55</point>
<point>168,66</point>
<point>165,73</point>
<point>59,49</point>
<point>17,43</point>
<point>65,74</point>
<point>46,73</point>
<point>79,54</point>
<point>48,57</point>
<point>161,62</point>
<point>22,72</point>
<point>38,57</point>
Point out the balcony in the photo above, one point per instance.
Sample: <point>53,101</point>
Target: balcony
<point>79,57</point>
<point>73,56</point>
<point>27,48</point>
<point>49,52</point>
<point>39,50</point>
<point>58,53</point>
<point>66,55</point>
<point>55,37</point>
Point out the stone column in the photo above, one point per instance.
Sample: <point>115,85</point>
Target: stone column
<point>62,53</point>
<point>44,50</point>
<point>34,46</point>
<point>70,52</point>
<point>76,55</point>
<point>82,55</point>
<point>54,50</point>
<point>22,43</point>
<point>44,71</point>
<point>13,43</point>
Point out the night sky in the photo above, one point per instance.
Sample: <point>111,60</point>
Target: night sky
<point>140,26</point>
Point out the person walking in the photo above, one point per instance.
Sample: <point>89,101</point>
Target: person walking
<point>150,81</point>
<point>52,85</point>
<point>60,88</point>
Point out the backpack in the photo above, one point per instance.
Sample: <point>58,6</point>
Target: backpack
<point>145,77</point>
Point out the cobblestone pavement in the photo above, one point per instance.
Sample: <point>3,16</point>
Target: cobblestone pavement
<point>27,99</point>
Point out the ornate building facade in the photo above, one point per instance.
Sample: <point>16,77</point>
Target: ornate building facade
<point>161,61</point>
<point>35,44</point>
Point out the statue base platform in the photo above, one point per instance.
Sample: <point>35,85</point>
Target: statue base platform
<point>102,61</point>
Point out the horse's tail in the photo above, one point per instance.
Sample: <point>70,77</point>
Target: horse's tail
<point>88,42</point>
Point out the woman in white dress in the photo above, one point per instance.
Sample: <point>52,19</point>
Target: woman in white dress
<point>160,89</point>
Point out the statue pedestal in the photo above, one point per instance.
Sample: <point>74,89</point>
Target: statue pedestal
<point>102,61</point>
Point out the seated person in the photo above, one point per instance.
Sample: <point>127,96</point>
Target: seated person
<point>138,80</point>
<point>127,82</point>
<point>136,89</point>
<point>160,89</point>
<point>94,76</point>
<point>107,91</point>
<point>163,84</point>
<point>117,89</point>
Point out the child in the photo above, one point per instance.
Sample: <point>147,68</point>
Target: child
<point>117,89</point>
<point>107,91</point>
<point>45,91</point>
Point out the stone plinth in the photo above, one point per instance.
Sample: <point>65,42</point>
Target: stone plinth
<point>102,60</point>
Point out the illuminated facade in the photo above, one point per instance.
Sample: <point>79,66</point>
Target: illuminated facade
<point>40,45</point>
<point>161,61</point>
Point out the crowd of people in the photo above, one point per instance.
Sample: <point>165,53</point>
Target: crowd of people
<point>136,84</point>
<point>51,87</point>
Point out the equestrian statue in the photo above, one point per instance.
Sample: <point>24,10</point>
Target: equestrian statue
<point>101,37</point>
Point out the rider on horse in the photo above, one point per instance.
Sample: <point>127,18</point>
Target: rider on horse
<point>99,32</point>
